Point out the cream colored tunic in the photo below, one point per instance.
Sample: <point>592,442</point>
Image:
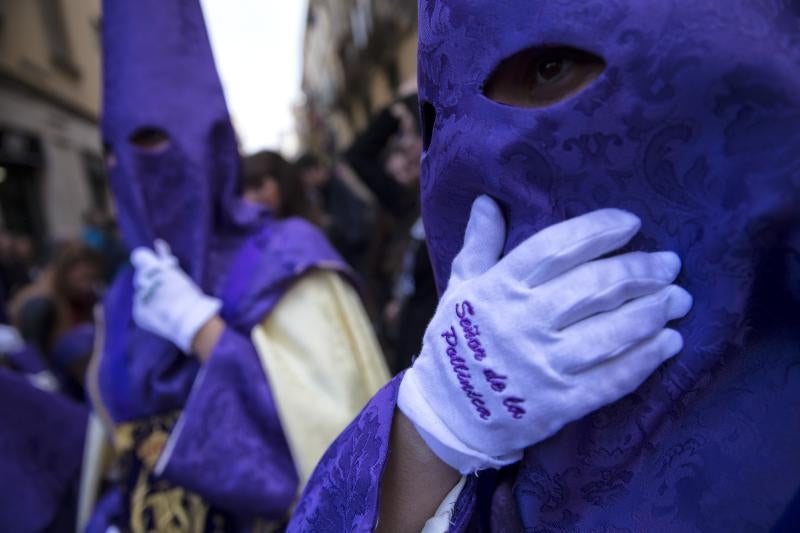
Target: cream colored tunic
<point>322,361</point>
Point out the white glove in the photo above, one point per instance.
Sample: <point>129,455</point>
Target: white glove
<point>523,345</point>
<point>167,302</point>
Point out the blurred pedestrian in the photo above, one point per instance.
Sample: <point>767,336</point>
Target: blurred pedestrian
<point>270,181</point>
<point>347,208</point>
<point>367,156</point>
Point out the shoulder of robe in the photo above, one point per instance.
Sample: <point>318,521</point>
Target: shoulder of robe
<point>295,247</point>
<point>298,228</point>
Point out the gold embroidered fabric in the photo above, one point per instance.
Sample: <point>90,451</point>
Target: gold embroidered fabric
<point>157,506</point>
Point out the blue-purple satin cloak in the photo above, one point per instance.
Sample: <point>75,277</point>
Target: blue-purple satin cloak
<point>694,126</point>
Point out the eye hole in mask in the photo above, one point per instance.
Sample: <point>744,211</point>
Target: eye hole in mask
<point>542,76</point>
<point>428,122</point>
<point>150,139</point>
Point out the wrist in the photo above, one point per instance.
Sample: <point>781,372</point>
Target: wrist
<point>191,316</point>
<point>414,480</point>
<point>207,337</point>
<point>439,437</point>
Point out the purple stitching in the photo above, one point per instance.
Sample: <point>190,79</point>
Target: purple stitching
<point>515,410</point>
<point>471,331</point>
<point>497,381</point>
<point>463,375</point>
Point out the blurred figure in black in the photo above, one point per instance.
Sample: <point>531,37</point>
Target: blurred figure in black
<point>397,125</point>
<point>386,158</point>
<point>348,213</point>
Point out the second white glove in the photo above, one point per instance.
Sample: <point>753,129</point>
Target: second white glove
<point>521,346</point>
<point>167,302</point>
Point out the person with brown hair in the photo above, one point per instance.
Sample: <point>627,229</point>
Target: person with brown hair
<point>271,181</point>
<point>54,314</point>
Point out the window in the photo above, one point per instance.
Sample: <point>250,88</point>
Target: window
<point>96,179</point>
<point>55,27</point>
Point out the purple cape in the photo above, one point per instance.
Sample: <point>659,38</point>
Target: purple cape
<point>41,451</point>
<point>694,126</point>
<point>161,84</point>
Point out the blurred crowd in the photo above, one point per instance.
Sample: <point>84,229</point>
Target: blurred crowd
<point>48,302</point>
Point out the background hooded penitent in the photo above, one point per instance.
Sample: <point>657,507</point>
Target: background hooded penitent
<point>695,127</point>
<point>161,84</point>
<point>186,191</point>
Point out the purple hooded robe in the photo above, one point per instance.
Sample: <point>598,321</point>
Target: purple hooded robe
<point>160,83</point>
<point>694,125</point>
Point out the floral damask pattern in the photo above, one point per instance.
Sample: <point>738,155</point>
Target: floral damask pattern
<point>695,127</point>
<point>342,494</point>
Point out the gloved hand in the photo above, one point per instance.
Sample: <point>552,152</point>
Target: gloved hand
<point>167,302</point>
<point>521,346</point>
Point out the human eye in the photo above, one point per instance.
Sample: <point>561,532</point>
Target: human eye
<point>541,76</point>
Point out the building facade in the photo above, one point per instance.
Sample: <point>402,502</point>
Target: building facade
<point>357,55</point>
<point>51,168</point>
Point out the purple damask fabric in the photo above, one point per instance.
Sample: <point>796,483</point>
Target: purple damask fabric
<point>342,493</point>
<point>174,169</point>
<point>230,447</point>
<point>41,450</point>
<point>694,126</point>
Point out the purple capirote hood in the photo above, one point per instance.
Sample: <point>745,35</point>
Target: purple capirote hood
<point>160,82</point>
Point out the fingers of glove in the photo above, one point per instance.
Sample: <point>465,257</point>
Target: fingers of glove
<point>605,285</point>
<point>610,381</point>
<point>142,258</point>
<point>164,252</point>
<point>562,247</point>
<point>604,336</point>
<point>484,239</point>
<point>147,273</point>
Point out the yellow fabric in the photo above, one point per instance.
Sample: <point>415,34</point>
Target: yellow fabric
<point>323,363</point>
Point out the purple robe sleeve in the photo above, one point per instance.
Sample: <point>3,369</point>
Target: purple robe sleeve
<point>228,444</point>
<point>344,490</point>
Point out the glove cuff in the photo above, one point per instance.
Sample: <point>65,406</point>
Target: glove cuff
<point>194,318</point>
<point>439,437</point>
